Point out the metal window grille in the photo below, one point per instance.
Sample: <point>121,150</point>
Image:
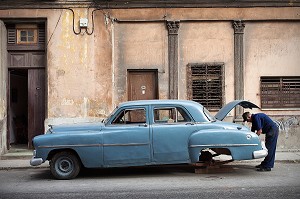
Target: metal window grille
<point>280,92</point>
<point>205,84</point>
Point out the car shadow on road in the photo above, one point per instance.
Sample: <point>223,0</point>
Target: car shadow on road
<point>166,171</point>
<point>155,171</point>
<point>131,172</point>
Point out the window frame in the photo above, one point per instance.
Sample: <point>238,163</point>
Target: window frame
<point>221,78</point>
<point>125,110</point>
<point>27,28</point>
<point>280,97</point>
<point>176,121</point>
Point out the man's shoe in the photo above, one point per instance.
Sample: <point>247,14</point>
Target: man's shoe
<point>264,169</point>
<point>258,166</point>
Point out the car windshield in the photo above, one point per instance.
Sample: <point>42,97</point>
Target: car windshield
<point>209,116</point>
<point>110,115</point>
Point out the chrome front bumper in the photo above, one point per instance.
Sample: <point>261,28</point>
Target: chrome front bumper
<point>36,161</point>
<point>261,153</point>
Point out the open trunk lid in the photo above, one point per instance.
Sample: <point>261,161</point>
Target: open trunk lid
<point>228,107</point>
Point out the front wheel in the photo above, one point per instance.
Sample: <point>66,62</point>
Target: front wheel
<point>64,165</point>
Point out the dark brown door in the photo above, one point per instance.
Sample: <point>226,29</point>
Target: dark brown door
<point>36,103</point>
<point>142,85</point>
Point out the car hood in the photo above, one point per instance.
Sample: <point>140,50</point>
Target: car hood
<point>228,107</point>
<point>64,128</point>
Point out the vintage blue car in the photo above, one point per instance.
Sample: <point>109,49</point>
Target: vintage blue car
<point>151,132</point>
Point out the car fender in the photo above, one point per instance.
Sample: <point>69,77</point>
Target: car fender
<point>87,146</point>
<point>241,144</point>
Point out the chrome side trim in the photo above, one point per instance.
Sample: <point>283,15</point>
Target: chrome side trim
<point>92,145</point>
<point>128,144</point>
<point>221,145</point>
<point>71,145</point>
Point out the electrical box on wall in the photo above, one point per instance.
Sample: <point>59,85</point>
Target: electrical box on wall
<point>83,23</point>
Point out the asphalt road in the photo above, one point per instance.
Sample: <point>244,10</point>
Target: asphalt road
<point>235,180</point>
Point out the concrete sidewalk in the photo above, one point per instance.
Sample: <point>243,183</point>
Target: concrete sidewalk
<point>22,162</point>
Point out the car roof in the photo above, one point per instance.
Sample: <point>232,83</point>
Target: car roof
<point>194,108</point>
<point>159,102</point>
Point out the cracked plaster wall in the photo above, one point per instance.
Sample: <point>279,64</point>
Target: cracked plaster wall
<point>86,74</point>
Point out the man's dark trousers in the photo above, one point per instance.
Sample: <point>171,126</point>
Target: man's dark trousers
<point>271,142</point>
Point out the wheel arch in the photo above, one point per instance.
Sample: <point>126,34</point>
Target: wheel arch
<point>55,151</point>
<point>219,140</point>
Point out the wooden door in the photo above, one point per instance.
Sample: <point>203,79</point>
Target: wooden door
<point>142,85</point>
<point>36,103</point>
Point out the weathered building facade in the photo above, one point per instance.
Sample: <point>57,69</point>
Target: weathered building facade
<point>72,61</point>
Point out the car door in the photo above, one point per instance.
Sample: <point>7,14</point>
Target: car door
<point>171,129</point>
<point>126,139</point>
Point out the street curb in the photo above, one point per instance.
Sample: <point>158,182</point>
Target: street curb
<point>288,161</point>
<point>20,164</point>
<point>15,157</point>
<point>23,167</point>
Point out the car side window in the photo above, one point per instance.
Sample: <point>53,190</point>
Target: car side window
<point>170,115</point>
<point>131,116</point>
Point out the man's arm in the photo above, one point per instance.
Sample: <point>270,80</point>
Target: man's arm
<point>259,132</point>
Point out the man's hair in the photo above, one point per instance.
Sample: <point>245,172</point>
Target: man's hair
<point>245,116</point>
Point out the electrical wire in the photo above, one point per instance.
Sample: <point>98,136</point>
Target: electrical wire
<point>76,33</point>
<point>54,29</point>
<point>86,31</point>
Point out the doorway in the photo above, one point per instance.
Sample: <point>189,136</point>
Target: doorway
<point>26,63</point>
<point>26,106</point>
<point>142,85</point>
<point>18,103</point>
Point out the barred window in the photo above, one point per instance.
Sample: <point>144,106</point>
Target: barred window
<point>205,82</point>
<point>280,92</point>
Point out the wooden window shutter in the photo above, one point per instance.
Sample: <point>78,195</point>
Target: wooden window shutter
<point>41,34</point>
<point>11,34</point>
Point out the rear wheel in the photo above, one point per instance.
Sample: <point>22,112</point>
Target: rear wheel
<point>64,165</point>
<point>206,156</point>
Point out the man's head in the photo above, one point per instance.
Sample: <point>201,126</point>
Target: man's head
<point>247,117</point>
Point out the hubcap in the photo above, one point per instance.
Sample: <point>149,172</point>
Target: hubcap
<point>64,166</point>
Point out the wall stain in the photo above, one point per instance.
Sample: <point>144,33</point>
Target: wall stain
<point>284,125</point>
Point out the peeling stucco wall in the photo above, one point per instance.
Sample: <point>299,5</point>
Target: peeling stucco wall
<point>79,70</point>
<point>86,74</point>
<point>207,42</point>
<point>3,82</point>
<point>271,49</point>
<point>139,46</point>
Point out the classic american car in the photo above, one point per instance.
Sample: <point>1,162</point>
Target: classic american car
<point>149,132</point>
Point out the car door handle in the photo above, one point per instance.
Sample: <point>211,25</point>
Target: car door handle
<point>189,123</point>
<point>144,125</point>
